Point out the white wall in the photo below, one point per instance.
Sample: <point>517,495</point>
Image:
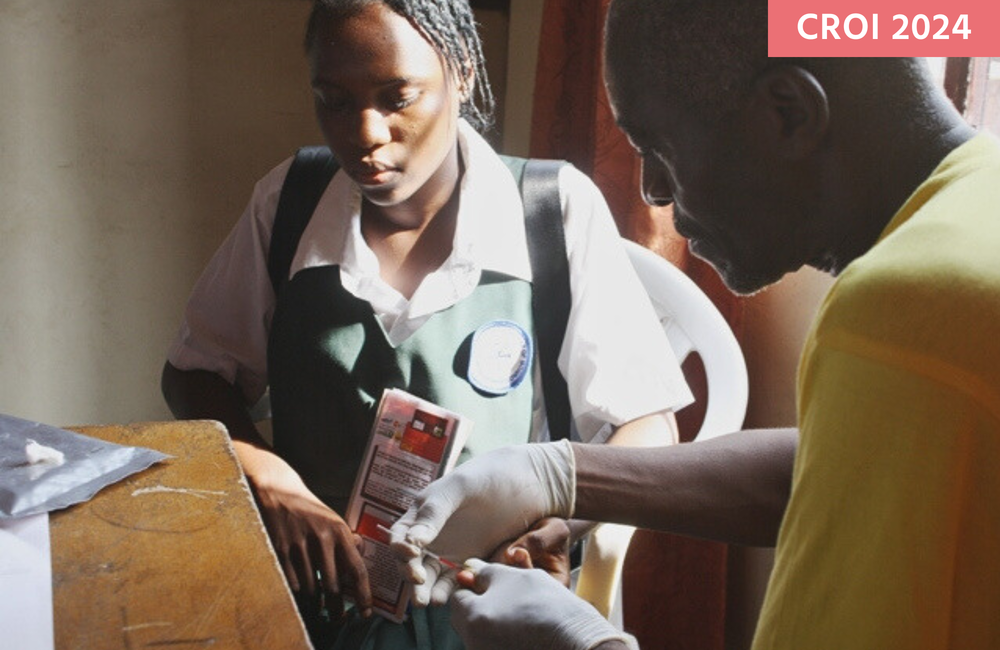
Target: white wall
<point>130,137</point>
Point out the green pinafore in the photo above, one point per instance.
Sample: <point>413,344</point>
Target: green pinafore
<point>328,362</point>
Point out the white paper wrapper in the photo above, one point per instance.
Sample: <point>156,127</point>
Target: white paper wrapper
<point>33,482</point>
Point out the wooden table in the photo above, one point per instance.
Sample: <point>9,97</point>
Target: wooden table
<point>174,557</point>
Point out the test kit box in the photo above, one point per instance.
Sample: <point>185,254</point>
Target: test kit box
<point>412,442</point>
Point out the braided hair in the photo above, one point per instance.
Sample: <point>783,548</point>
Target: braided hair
<point>449,26</point>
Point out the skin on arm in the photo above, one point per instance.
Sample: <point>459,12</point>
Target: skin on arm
<point>307,535</point>
<point>732,488</point>
<point>654,430</point>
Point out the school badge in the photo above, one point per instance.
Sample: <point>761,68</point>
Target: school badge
<point>500,357</point>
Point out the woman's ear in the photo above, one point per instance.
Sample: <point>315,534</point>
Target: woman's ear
<point>792,109</point>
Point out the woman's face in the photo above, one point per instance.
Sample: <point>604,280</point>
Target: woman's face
<point>387,106</point>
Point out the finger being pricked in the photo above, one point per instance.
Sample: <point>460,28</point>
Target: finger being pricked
<point>547,535</point>
<point>469,577</point>
<point>545,546</point>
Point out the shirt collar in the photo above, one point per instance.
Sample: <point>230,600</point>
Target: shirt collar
<point>490,229</point>
<point>489,235</point>
<point>981,149</point>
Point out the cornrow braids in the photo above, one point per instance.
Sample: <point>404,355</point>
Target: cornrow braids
<point>450,28</point>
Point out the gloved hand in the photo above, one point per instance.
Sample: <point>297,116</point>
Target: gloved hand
<point>484,502</point>
<point>508,607</point>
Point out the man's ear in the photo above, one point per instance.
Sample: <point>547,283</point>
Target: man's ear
<point>792,109</point>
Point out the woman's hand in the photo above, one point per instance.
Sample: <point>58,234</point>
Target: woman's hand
<point>308,536</point>
<point>544,546</point>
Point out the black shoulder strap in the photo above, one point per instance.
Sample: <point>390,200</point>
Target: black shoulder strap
<point>310,173</point>
<point>551,296</point>
<point>314,167</point>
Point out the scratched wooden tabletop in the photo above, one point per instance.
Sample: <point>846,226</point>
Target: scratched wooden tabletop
<point>173,557</point>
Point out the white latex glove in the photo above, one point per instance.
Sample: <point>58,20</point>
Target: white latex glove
<point>526,608</point>
<point>484,502</point>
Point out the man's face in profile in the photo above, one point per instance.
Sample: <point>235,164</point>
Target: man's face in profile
<point>725,188</point>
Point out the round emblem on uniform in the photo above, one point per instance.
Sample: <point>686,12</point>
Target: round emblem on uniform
<point>500,357</point>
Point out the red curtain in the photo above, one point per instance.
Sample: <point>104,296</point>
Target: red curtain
<point>674,587</point>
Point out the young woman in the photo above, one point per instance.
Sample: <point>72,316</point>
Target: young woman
<point>416,243</point>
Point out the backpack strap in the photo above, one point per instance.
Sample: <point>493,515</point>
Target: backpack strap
<point>551,295</point>
<point>310,173</point>
<point>314,167</point>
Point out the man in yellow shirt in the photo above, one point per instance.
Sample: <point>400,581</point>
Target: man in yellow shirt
<point>885,502</point>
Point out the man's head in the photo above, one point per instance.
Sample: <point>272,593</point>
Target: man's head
<point>769,163</point>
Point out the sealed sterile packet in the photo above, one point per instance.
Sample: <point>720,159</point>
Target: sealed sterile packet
<point>44,468</point>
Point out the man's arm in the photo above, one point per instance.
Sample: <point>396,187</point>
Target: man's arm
<point>656,429</point>
<point>732,488</point>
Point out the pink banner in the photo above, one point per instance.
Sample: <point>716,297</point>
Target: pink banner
<point>883,28</point>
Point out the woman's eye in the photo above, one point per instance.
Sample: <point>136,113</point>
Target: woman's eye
<point>401,101</point>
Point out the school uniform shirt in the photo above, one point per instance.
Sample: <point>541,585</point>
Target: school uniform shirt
<point>615,357</point>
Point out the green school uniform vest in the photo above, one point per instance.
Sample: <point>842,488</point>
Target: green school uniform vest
<point>329,360</point>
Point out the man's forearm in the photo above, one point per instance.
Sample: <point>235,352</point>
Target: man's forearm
<point>733,488</point>
<point>652,430</point>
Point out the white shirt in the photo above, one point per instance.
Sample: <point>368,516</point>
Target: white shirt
<point>615,356</point>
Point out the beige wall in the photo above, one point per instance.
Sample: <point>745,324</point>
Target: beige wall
<point>130,136</point>
<point>525,26</point>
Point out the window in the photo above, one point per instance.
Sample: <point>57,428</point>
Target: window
<point>973,84</point>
